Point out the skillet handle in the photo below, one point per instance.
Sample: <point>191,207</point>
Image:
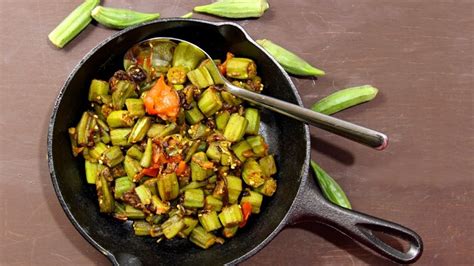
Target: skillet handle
<point>312,206</point>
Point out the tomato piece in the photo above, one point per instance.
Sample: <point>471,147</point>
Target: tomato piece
<point>162,100</point>
<point>181,168</point>
<point>246,211</point>
<point>150,171</point>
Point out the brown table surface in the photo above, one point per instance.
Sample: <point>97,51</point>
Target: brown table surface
<point>418,53</point>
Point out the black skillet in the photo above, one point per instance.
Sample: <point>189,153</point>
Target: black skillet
<point>297,198</point>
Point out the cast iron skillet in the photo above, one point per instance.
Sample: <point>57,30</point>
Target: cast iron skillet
<point>297,198</point>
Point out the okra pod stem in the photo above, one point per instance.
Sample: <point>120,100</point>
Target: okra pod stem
<point>193,198</point>
<point>235,128</point>
<point>344,99</point>
<point>210,102</point>
<point>73,24</point>
<point>209,220</point>
<point>140,129</point>
<point>231,215</point>
<point>292,63</point>
<point>116,18</point>
<point>241,68</point>
<point>202,238</point>
<point>330,187</point>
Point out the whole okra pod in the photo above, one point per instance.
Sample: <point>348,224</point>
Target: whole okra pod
<point>73,24</point>
<point>235,8</point>
<point>289,61</point>
<point>117,18</point>
<point>330,187</point>
<point>345,98</point>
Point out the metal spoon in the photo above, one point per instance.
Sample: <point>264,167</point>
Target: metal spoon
<point>337,126</point>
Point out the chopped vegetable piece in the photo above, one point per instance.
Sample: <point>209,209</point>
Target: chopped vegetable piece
<point>119,136</point>
<point>241,68</point>
<point>120,119</point>
<point>132,167</point>
<point>144,194</point>
<point>146,159</point>
<point>199,166</point>
<point>189,223</point>
<point>159,131</point>
<point>253,198</point>
<point>162,101</point>
<point>253,117</point>
<point>168,186</point>
<point>268,166</point>
<point>268,188</point>
<point>139,130</point>
<point>187,55</point>
<point>133,213</point>
<point>231,215</point>
<point>193,198</point>
<point>97,151</point>
<point>202,238</point>
<point>235,128</point>
<point>229,232</point>
<point>123,185</point>
<point>193,115</point>
<point>210,102</point>
<point>252,173</point>
<point>242,150</point>
<point>212,203</point>
<point>113,156</point>
<point>92,171</point>
<point>187,15</point>
<point>209,220</point>
<point>141,228</point>
<point>200,77</point>
<point>159,206</point>
<point>246,211</point>
<point>221,120</point>
<point>135,107</point>
<point>97,89</point>
<point>177,75</point>
<point>135,152</point>
<point>234,187</point>
<point>104,194</point>
<point>259,147</point>
<point>172,226</point>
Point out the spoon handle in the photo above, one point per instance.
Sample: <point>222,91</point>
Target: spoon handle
<point>337,126</point>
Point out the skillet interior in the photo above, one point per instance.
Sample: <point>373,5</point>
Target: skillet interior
<point>287,139</point>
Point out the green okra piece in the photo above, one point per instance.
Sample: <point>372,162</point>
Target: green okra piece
<point>194,198</point>
<point>214,151</point>
<point>235,8</point>
<point>230,99</point>
<point>152,185</point>
<point>82,128</point>
<point>97,89</point>
<point>209,220</point>
<point>202,238</point>
<point>234,187</point>
<point>344,99</point>
<point>231,215</point>
<point>198,173</point>
<point>168,186</point>
<point>154,220</point>
<point>117,18</point>
<point>189,224</point>
<point>199,131</point>
<point>212,203</point>
<point>292,63</point>
<point>135,152</point>
<point>172,226</point>
<point>221,120</point>
<point>187,55</point>
<point>268,165</point>
<point>120,118</point>
<point>92,171</point>
<point>254,198</point>
<point>160,207</point>
<point>147,155</point>
<point>72,131</point>
<point>144,194</point>
<point>104,195</point>
<point>235,128</point>
<point>187,15</point>
<point>268,188</point>
<point>113,156</point>
<point>132,167</point>
<point>259,147</point>
<point>193,185</point>
<point>253,117</point>
<point>242,150</point>
<point>140,129</point>
<point>123,185</point>
<point>73,24</point>
<point>241,68</point>
<point>141,228</point>
<point>177,75</point>
<point>191,150</point>
<point>97,151</point>
<point>210,102</point>
<point>331,189</point>
<point>252,173</point>
<point>133,213</point>
<point>213,70</point>
<point>135,107</point>
<point>229,232</point>
<point>119,136</point>
<point>193,115</point>
<point>159,131</point>
<point>200,77</point>
<point>122,89</point>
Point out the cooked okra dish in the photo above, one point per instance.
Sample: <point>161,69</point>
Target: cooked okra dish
<point>169,149</point>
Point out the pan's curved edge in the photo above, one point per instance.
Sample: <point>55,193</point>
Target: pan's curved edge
<point>302,176</point>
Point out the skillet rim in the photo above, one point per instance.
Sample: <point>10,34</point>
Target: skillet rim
<point>303,175</point>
